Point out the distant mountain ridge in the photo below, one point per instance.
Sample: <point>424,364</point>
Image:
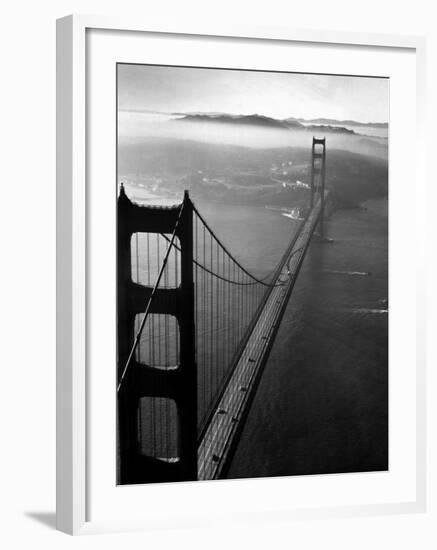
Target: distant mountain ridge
<point>260,120</point>
<point>336,122</point>
<point>249,120</point>
<point>253,118</point>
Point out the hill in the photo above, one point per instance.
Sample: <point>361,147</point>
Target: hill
<point>247,120</point>
<point>234,174</point>
<point>261,121</point>
<point>333,121</point>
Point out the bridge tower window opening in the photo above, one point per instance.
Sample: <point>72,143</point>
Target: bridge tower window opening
<point>158,429</point>
<point>147,253</point>
<point>159,344</point>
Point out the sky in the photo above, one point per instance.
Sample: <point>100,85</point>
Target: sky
<point>278,95</point>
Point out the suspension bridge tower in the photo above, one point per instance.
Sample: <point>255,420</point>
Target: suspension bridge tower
<point>138,381</point>
<point>318,176</point>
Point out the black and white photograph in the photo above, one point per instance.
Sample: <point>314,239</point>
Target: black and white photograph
<point>252,273</point>
<point>218,275</point>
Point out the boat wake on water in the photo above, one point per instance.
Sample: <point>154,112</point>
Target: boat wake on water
<point>381,307</point>
<point>369,310</point>
<point>292,215</point>
<point>349,273</point>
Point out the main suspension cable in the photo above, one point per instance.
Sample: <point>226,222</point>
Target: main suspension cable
<point>226,280</point>
<point>261,281</point>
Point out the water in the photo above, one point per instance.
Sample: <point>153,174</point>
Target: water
<point>321,406</point>
<point>256,236</point>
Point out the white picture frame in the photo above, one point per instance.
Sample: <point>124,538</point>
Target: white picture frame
<point>73,396</point>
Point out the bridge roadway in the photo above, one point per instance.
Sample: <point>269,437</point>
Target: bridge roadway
<point>221,434</point>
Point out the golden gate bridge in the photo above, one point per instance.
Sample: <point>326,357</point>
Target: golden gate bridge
<point>195,329</point>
